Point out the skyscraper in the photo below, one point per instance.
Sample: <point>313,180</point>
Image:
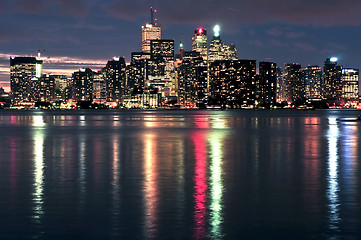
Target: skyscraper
<point>115,71</point>
<point>199,42</point>
<point>150,31</point>
<point>267,86</point>
<point>83,85</point>
<point>332,81</point>
<point>219,50</point>
<point>313,79</point>
<point>295,87</point>
<point>22,71</point>
<point>350,85</point>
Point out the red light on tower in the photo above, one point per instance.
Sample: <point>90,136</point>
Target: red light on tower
<point>200,30</point>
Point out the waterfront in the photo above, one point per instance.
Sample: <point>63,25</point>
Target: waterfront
<point>179,174</point>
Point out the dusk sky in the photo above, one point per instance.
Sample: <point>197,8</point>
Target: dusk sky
<point>86,33</point>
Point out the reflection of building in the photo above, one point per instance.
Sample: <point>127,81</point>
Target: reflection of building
<point>232,82</point>
<point>22,71</point>
<point>332,89</point>
<point>350,85</point>
<point>150,31</point>
<point>199,42</point>
<point>83,85</point>
<point>312,77</point>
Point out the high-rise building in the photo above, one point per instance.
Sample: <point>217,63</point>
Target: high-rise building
<point>350,85</point>
<point>99,86</point>
<point>219,50</point>
<point>313,79</point>
<point>83,85</point>
<point>199,42</point>
<point>162,50</point>
<point>233,83</point>
<point>332,83</point>
<point>267,86</point>
<point>22,71</point>
<point>150,31</point>
<point>295,87</point>
<point>115,71</point>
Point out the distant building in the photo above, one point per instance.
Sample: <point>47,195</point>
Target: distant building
<point>313,81</point>
<point>295,87</point>
<point>83,85</point>
<point>233,83</point>
<point>219,50</point>
<point>267,86</point>
<point>23,71</point>
<point>199,42</point>
<point>350,85</point>
<point>162,50</point>
<point>99,86</point>
<point>115,72</point>
<point>332,88</point>
<point>150,31</point>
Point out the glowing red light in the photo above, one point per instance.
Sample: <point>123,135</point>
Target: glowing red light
<point>200,30</point>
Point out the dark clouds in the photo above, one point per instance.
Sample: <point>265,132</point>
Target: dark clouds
<point>313,12</point>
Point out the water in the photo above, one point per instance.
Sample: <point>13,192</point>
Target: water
<point>179,175</point>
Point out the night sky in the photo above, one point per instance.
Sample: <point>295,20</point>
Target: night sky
<point>86,33</point>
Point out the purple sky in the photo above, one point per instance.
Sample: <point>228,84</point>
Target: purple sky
<point>89,32</point>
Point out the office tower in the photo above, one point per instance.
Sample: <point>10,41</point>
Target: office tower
<point>216,47</point>
<point>312,78</point>
<point>192,82</point>
<point>267,85</point>
<point>150,31</point>
<point>115,72</point>
<point>295,87</point>
<point>332,84</point>
<point>61,84</point>
<point>23,70</point>
<point>199,42</point>
<point>350,85</point>
<point>136,74</point>
<point>83,85</point>
<point>162,50</point>
<point>232,83</point>
<point>44,88</point>
<point>219,50</point>
<point>99,86</point>
<point>280,85</point>
<point>140,56</point>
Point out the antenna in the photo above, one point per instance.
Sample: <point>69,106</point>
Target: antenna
<point>152,16</point>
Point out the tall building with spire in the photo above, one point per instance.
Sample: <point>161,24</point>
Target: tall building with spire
<point>150,31</point>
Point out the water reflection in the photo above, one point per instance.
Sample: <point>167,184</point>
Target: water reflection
<point>115,185</point>
<point>150,185</point>
<point>38,192</point>
<point>82,171</point>
<point>216,218</point>
<point>200,186</point>
<point>332,179</point>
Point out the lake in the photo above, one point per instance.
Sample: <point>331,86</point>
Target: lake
<point>244,174</point>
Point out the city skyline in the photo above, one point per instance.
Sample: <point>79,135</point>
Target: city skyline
<point>89,33</point>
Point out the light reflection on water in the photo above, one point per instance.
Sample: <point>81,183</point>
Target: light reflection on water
<point>333,184</point>
<point>179,175</point>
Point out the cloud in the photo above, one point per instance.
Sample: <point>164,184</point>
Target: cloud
<point>305,12</point>
<point>274,32</point>
<point>294,35</point>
